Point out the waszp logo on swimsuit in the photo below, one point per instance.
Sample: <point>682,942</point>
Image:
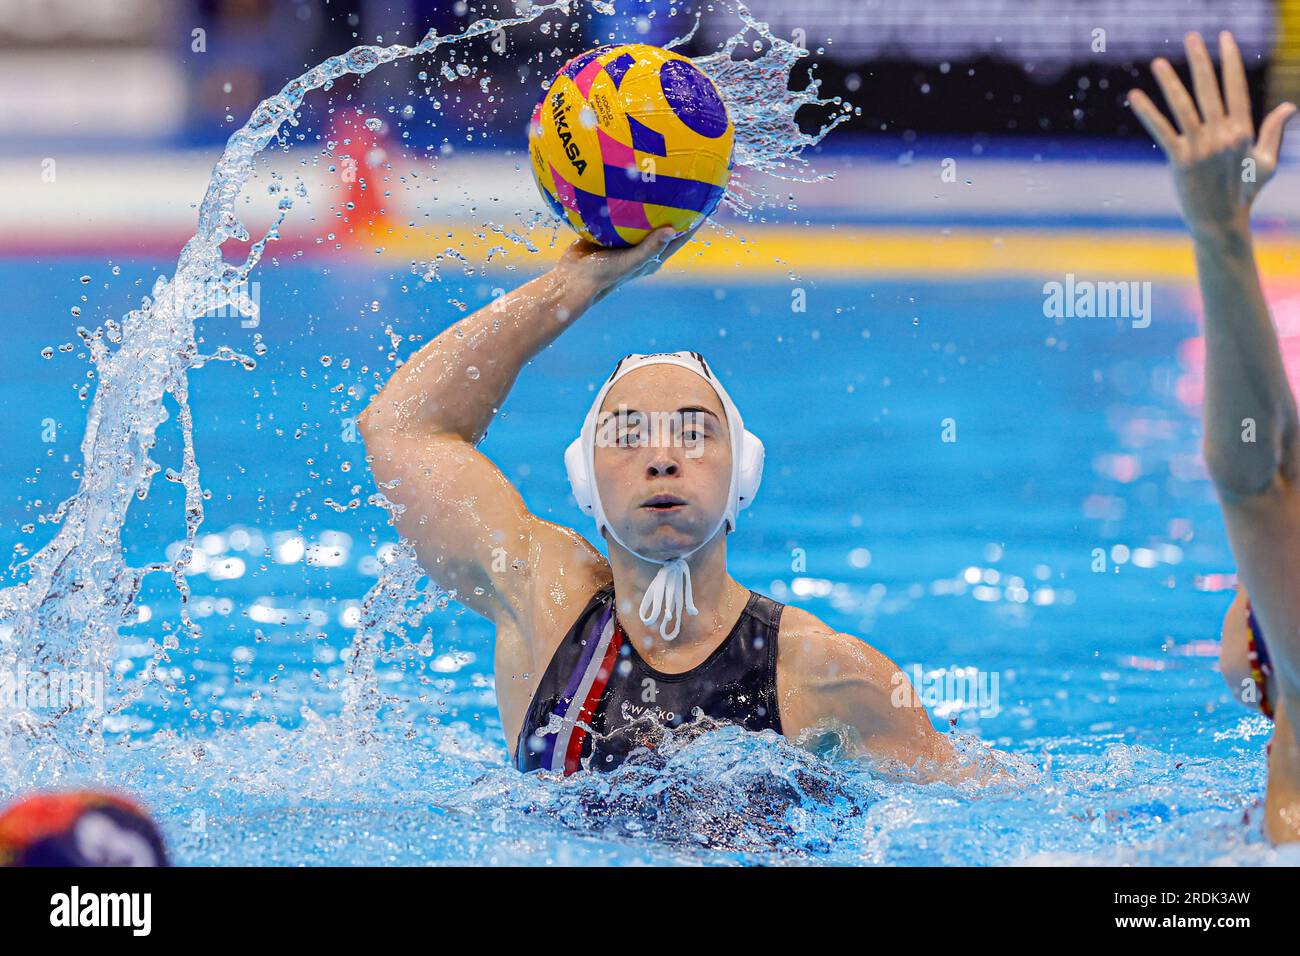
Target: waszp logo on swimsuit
<point>633,712</point>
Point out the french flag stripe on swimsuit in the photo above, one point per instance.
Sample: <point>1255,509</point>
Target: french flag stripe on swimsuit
<point>588,678</point>
<point>547,741</point>
<point>573,760</point>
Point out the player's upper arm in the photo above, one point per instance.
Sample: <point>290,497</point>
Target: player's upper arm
<point>468,523</point>
<point>830,679</point>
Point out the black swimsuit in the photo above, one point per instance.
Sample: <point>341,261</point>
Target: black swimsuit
<point>598,700</point>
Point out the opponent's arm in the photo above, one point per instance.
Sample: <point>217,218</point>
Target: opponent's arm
<point>1250,420</point>
<point>421,429</point>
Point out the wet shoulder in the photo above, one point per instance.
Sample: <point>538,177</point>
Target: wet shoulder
<point>813,654</point>
<point>801,629</point>
<point>824,674</point>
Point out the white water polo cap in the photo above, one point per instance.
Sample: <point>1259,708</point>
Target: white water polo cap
<point>669,594</point>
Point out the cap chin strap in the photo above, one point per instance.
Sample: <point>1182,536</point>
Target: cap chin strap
<point>669,594</point>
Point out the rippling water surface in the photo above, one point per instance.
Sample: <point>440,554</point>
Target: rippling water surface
<point>980,553</point>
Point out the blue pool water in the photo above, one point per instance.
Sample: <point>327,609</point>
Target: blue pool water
<point>975,553</point>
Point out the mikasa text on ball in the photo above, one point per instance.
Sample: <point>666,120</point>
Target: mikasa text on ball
<point>629,138</point>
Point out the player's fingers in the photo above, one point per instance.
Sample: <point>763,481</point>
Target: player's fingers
<point>1176,95</point>
<point>1204,82</point>
<point>652,246</point>
<point>1234,80</point>
<point>677,243</point>
<point>1270,131</point>
<point>1153,120</point>
<point>651,251</point>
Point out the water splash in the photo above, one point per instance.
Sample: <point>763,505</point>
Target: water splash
<point>79,588</point>
<point>712,794</point>
<point>769,139</point>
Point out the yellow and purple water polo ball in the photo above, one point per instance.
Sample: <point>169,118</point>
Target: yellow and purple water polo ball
<point>629,138</point>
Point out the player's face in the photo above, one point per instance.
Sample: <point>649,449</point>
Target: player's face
<point>662,460</point>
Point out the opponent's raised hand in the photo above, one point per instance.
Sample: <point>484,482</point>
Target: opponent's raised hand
<point>1219,165</point>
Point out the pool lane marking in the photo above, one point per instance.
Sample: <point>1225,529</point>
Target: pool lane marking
<point>893,252</point>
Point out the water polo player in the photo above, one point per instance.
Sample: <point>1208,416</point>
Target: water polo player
<point>593,655</point>
<point>1251,426</point>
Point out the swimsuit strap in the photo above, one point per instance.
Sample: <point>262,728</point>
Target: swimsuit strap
<point>1261,668</point>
